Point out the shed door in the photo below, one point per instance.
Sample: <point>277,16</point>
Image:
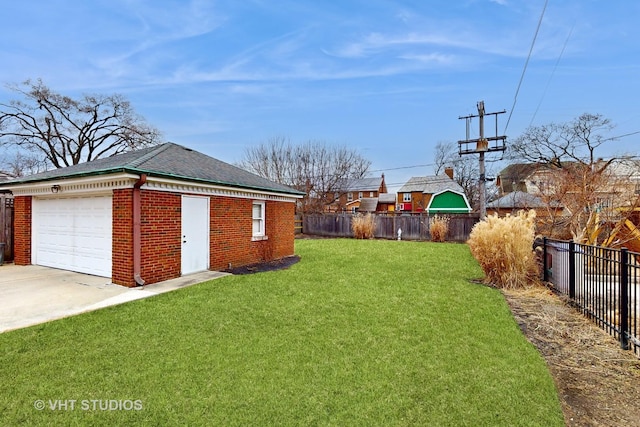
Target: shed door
<point>73,233</point>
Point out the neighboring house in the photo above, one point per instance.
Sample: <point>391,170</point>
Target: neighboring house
<point>352,191</point>
<point>365,204</point>
<point>384,203</point>
<point>432,194</point>
<point>150,215</point>
<point>628,182</point>
<point>519,200</point>
<point>621,182</point>
<point>518,177</point>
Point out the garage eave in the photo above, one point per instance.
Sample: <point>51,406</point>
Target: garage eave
<point>92,184</point>
<point>105,183</point>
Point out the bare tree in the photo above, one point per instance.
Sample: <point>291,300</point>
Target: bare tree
<point>21,164</point>
<point>572,176</point>
<point>64,131</point>
<point>575,141</point>
<point>314,167</point>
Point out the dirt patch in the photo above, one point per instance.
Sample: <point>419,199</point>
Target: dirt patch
<point>265,266</point>
<point>598,382</point>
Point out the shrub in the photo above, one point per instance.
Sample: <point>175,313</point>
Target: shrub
<point>504,249</point>
<point>363,226</point>
<point>438,228</point>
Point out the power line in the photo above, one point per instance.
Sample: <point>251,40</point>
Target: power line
<point>621,136</point>
<point>403,167</point>
<point>533,42</point>
<point>544,93</point>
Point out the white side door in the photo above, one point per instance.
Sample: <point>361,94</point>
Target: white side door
<point>195,234</point>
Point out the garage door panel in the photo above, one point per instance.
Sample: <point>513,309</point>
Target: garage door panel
<point>73,234</point>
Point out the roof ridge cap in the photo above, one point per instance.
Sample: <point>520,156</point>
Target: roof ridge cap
<point>151,154</point>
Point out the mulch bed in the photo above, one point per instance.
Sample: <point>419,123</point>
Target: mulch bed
<point>265,266</point>
<point>598,382</point>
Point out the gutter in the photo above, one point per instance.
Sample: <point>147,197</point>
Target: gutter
<point>137,234</point>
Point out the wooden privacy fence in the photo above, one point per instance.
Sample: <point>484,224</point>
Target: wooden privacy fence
<point>6,225</point>
<point>414,227</point>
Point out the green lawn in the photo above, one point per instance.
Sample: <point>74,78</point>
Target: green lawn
<point>370,333</point>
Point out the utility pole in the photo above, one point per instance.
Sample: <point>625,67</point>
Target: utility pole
<point>481,146</point>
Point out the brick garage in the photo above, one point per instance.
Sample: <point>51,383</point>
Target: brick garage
<point>151,215</point>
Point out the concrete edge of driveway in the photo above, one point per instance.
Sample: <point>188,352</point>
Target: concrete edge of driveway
<point>31,295</point>
<point>157,288</point>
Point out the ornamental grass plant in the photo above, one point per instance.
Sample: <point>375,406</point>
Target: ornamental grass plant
<point>438,228</point>
<point>504,249</point>
<point>363,226</point>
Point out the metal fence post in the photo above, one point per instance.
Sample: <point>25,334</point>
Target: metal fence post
<point>545,266</point>
<point>624,299</point>
<point>572,270</point>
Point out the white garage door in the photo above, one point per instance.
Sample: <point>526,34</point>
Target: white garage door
<point>73,234</point>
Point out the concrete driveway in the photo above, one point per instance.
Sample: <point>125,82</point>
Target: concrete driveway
<point>31,294</point>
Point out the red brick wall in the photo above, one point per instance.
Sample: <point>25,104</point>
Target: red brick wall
<point>122,238</point>
<point>161,235</point>
<point>22,230</point>
<point>281,228</point>
<point>231,230</point>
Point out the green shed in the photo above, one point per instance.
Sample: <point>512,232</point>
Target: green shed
<point>449,202</point>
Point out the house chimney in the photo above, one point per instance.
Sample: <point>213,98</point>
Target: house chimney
<point>449,171</point>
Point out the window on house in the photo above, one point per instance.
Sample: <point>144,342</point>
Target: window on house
<point>360,195</point>
<point>370,193</point>
<point>349,197</point>
<point>258,216</point>
<point>603,202</point>
<point>406,197</point>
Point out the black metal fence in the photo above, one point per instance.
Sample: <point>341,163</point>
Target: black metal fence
<point>413,227</point>
<point>604,284</point>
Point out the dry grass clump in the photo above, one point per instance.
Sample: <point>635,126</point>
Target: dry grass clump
<point>504,249</point>
<point>438,228</point>
<point>363,226</point>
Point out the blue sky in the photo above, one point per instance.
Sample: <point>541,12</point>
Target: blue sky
<point>387,78</point>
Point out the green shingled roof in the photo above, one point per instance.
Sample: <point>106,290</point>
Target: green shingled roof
<point>166,160</point>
